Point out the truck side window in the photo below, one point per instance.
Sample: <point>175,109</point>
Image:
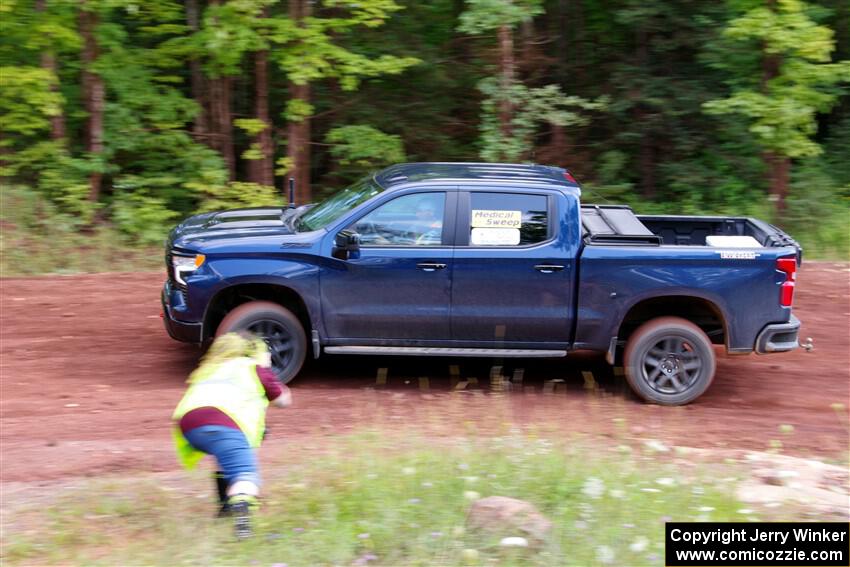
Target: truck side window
<point>508,219</point>
<point>410,220</point>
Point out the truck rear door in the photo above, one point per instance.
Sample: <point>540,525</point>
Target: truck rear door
<point>513,270</point>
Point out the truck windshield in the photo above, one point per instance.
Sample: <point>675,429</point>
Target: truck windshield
<point>331,209</point>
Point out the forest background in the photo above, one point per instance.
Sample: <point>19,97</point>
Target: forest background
<point>118,119</point>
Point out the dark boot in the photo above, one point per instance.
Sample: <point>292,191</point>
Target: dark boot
<point>221,488</point>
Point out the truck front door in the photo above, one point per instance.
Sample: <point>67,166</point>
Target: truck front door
<point>394,291</point>
<point>513,270</point>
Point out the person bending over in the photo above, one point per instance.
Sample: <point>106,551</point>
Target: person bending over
<point>223,413</point>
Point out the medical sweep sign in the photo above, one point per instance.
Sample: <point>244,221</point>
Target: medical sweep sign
<point>808,544</point>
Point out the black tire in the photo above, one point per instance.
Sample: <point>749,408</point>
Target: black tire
<point>669,361</point>
<point>281,330</point>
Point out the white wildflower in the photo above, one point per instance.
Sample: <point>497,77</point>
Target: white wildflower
<point>514,542</point>
<point>471,495</point>
<point>605,554</point>
<point>593,487</point>
<point>639,544</point>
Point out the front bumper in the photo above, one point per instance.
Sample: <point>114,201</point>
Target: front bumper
<point>184,331</point>
<point>779,337</point>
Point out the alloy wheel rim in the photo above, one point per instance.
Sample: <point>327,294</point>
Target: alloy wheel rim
<point>671,365</point>
<point>279,341</point>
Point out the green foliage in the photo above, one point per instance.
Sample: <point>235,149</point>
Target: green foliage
<point>782,113</point>
<point>482,16</point>
<point>26,101</point>
<point>252,126</point>
<point>365,146</point>
<point>687,114</point>
<point>546,105</point>
<point>297,110</point>
<point>237,195</point>
<point>143,217</point>
<point>230,31</point>
<point>36,237</point>
<point>312,50</point>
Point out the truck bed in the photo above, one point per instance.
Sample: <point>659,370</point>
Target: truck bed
<point>619,225</point>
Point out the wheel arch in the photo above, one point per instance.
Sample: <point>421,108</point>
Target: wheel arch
<point>702,312</point>
<point>232,296</point>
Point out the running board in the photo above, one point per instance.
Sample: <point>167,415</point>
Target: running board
<point>432,351</point>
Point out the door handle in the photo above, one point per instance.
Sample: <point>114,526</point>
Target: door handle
<point>548,268</point>
<point>430,266</point>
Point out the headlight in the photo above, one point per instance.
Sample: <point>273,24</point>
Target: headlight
<point>185,264</point>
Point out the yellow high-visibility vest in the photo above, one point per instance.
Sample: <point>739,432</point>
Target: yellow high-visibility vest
<point>235,389</point>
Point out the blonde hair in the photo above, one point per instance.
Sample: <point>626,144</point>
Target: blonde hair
<point>228,347</point>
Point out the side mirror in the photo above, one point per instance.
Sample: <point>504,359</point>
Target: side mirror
<point>345,242</point>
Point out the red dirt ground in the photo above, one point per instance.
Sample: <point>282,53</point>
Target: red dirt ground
<point>89,379</point>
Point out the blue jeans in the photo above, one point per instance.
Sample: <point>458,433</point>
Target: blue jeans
<point>230,448</point>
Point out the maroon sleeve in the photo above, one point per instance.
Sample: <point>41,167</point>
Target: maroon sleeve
<point>270,383</point>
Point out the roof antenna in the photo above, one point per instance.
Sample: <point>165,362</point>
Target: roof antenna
<point>291,192</point>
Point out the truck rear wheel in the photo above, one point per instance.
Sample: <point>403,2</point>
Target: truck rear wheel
<point>276,325</point>
<point>669,361</point>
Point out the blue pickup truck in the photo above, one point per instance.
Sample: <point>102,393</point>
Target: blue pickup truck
<point>486,260</point>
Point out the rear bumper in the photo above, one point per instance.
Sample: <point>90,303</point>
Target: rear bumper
<point>184,331</point>
<point>779,337</point>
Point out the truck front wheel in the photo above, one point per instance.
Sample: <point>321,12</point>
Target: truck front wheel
<point>276,325</point>
<point>669,361</point>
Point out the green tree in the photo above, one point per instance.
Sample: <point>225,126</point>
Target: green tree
<point>311,47</point>
<point>511,111</point>
<point>795,83</point>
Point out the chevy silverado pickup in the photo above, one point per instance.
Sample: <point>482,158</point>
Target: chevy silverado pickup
<point>486,260</point>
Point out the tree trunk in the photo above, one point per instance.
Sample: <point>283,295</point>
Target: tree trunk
<point>646,152</point>
<point>647,164</point>
<point>779,172</point>
<point>200,129</point>
<point>94,96</point>
<point>298,133</point>
<point>778,166</point>
<point>298,148</point>
<point>221,122</point>
<point>57,123</point>
<point>262,170</point>
<point>221,119</point>
<point>507,66</point>
<point>48,63</point>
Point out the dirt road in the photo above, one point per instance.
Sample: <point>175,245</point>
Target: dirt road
<point>89,379</point>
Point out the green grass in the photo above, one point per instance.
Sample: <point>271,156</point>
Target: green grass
<point>36,239</point>
<point>402,500</point>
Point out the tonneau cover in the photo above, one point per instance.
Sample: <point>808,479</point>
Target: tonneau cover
<point>615,224</point>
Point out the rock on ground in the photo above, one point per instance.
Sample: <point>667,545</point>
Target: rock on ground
<point>504,516</point>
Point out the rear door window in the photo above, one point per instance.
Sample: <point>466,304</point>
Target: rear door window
<point>508,219</point>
